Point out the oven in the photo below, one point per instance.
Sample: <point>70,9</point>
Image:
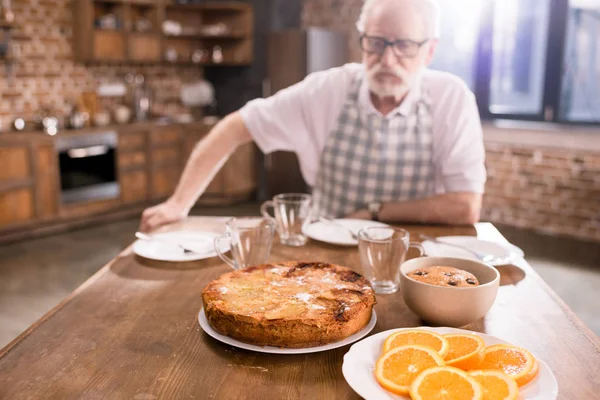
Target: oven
<point>88,167</point>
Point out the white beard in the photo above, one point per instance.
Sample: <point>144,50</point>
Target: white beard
<point>385,87</point>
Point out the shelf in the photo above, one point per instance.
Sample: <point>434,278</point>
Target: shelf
<point>143,3</point>
<point>148,33</point>
<point>127,45</point>
<point>7,26</point>
<point>210,64</point>
<point>112,1</point>
<point>216,6</point>
<point>20,36</point>
<point>197,36</point>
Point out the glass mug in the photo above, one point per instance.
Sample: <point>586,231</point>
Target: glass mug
<point>382,251</point>
<point>250,240</point>
<point>292,212</point>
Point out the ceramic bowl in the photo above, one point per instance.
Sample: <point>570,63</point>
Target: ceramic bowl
<point>447,305</point>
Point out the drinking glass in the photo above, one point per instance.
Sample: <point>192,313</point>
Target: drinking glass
<point>250,240</point>
<point>292,211</point>
<point>382,251</point>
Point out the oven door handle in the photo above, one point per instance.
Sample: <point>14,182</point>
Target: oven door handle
<point>91,151</point>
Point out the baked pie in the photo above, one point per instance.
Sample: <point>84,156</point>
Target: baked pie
<point>290,304</point>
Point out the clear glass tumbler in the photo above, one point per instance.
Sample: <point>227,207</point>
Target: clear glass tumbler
<point>292,212</point>
<point>382,251</point>
<point>250,240</point>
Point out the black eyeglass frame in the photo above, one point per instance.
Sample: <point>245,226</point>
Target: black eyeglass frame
<point>392,44</point>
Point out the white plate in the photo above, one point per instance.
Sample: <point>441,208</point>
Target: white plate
<point>332,234</point>
<point>202,242</point>
<point>506,253</point>
<point>359,365</point>
<point>278,350</point>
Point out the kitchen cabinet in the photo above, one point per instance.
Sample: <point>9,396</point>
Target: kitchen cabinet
<point>132,31</point>
<point>46,182</point>
<point>132,162</point>
<point>134,186</point>
<point>27,183</point>
<point>236,181</point>
<point>16,206</point>
<point>149,162</point>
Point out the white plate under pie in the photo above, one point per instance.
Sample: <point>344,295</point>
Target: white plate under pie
<point>198,241</point>
<point>278,350</point>
<point>359,366</point>
<point>329,233</point>
<point>504,252</point>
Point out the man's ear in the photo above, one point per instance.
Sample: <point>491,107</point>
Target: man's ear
<point>431,51</point>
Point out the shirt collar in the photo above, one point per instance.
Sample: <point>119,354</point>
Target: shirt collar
<point>404,109</point>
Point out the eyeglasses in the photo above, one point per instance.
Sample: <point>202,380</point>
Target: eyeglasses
<point>401,47</point>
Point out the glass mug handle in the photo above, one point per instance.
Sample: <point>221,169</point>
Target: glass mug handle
<point>264,210</point>
<point>221,255</point>
<point>418,246</point>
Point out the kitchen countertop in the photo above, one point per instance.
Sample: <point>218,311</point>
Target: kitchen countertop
<point>40,136</point>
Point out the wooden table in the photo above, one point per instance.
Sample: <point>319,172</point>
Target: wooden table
<point>131,332</point>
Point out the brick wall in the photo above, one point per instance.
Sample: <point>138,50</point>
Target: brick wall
<point>550,190</point>
<point>47,75</point>
<point>546,189</point>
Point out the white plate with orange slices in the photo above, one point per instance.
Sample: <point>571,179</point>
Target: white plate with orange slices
<point>446,363</point>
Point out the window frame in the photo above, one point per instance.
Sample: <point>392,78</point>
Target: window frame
<point>553,71</point>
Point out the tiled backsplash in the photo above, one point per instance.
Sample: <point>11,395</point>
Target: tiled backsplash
<point>46,74</point>
<point>545,189</point>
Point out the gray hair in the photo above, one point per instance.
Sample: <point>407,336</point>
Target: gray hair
<point>428,9</point>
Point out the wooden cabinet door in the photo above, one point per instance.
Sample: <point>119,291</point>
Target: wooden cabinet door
<point>129,160</point>
<point>164,181</point>
<point>239,173</point>
<point>109,45</point>
<point>16,164</point>
<point>16,206</point>
<point>134,186</point>
<point>144,47</point>
<point>16,184</point>
<point>165,136</point>
<point>47,182</point>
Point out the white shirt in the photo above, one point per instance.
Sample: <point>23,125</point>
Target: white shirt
<point>300,117</point>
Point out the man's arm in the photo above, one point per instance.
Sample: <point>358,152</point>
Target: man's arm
<point>450,208</point>
<point>209,155</point>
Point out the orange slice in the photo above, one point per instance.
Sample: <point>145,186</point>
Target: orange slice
<point>514,361</point>
<point>496,385</point>
<point>466,351</point>
<point>419,337</point>
<point>445,383</point>
<point>397,368</point>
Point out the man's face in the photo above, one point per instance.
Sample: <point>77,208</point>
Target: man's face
<point>390,74</point>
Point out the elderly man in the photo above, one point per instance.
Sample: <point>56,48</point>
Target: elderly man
<point>386,139</point>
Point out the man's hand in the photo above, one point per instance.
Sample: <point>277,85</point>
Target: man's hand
<point>360,214</point>
<point>162,214</point>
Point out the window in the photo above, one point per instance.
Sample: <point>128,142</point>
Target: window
<point>457,47</point>
<point>520,37</point>
<point>525,59</point>
<point>580,97</point>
